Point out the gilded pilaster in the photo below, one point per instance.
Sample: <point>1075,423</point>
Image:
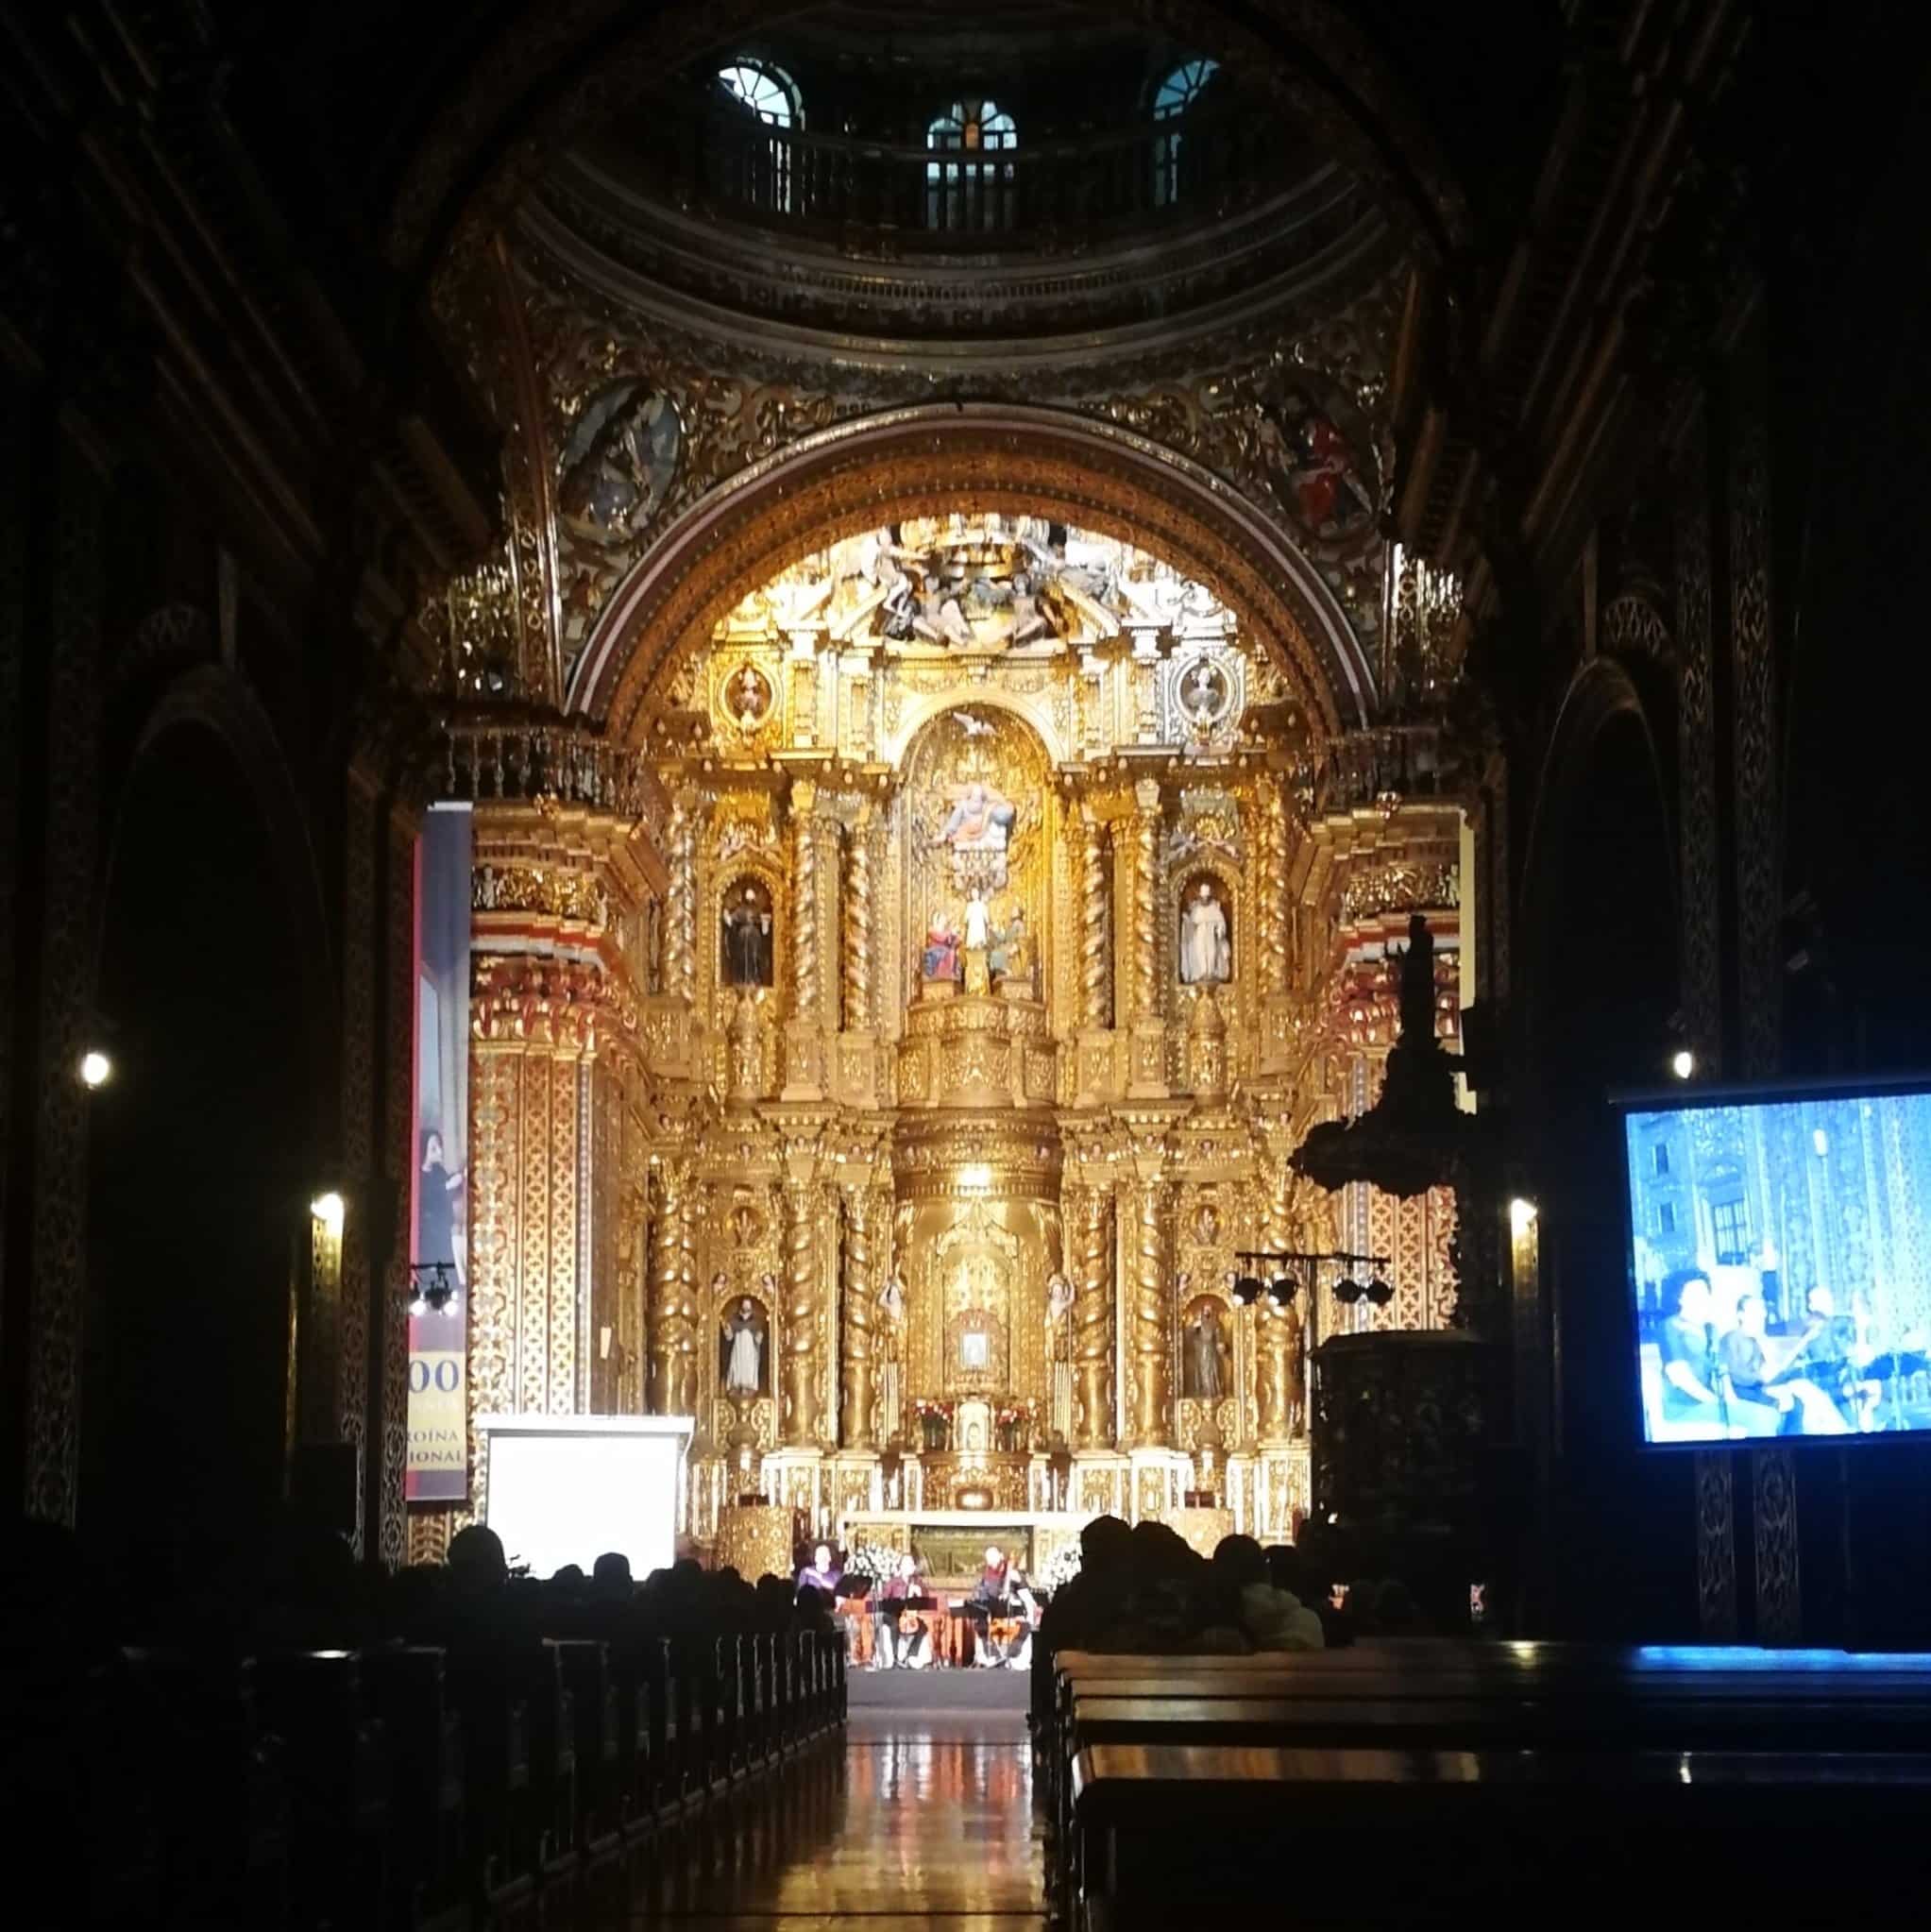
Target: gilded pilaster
<point>804,1041</point>
<point>800,1420</point>
<point>859,1293</point>
<point>1092,1321</point>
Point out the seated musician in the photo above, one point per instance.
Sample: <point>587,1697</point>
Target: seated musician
<point>903,1637</point>
<point>1840,1358</point>
<point>1760,1369</point>
<point>990,1590</point>
<point>1687,1341</point>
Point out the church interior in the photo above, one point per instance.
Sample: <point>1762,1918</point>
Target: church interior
<point>838,837</point>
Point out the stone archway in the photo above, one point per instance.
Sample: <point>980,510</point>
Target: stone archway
<point>930,461</point>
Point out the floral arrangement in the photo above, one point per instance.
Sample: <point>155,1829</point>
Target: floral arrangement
<point>1063,1567</point>
<point>1016,1411</point>
<point>872,1560</point>
<point>925,1405</point>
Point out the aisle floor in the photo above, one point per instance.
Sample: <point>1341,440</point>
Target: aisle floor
<point>922,1816</point>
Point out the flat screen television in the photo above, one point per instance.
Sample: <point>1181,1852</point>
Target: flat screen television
<point>1779,1247</point>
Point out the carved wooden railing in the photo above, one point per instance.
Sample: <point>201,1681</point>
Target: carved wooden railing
<point>546,758</point>
<point>1034,193</point>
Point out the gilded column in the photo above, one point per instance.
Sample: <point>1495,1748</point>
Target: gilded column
<point>1146,1319</point>
<point>680,909</point>
<point>1146,1076</point>
<point>805,985</point>
<point>800,1420</point>
<point>673,1329</point>
<point>805,1044</point>
<point>857,939</point>
<point>1146,946</point>
<point>859,1291</point>
<point>1092,1322</point>
<point>1096,968</point>
<point>1274,893</point>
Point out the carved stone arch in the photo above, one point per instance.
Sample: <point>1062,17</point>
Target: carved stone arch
<point>929,462</point>
<point>1602,696</point>
<point>218,701</point>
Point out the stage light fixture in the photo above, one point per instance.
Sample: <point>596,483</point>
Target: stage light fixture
<point>1682,1064</point>
<point>1283,1289</point>
<point>1246,1289</point>
<point>1347,1291</point>
<point>1379,1291</point>
<point>1522,1216</point>
<point>96,1070</point>
<point>328,1209</point>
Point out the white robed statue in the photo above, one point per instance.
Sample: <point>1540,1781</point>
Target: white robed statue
<point>1206,953</point>
<point>743,1352</point>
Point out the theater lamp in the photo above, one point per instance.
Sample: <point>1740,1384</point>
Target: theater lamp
<point>1347,1291</point>
<point>1246,1289</point>
<point>1379,1291</point>
<point>1283,1288</point>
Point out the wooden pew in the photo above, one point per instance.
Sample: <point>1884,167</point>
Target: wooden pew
<point>1370,1835</point>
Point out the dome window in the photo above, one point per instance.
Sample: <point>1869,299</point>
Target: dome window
<point>1173,98</point>
<point>766,163</point>
<point>966,195</point>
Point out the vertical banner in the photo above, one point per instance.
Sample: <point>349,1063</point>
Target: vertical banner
<point>439,1188</point>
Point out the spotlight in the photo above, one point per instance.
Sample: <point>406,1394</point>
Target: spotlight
<point>327,1208</point>
<point>1378,1292</point>
<point>1284,1289</point>
<point>1522,1216</point>
<point>1682,1064</point>
<point>1347,1290</point>
<point>96,1069</point>
<point>1246,1289</point>
<point>417,1306</point>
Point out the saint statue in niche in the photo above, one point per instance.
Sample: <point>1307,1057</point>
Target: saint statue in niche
<point>747,934</point>
<point>1206,942</point>
<point>978,923</point>
<point>1011,956</point>
<point>1206,1365</point>
<point>1058,1300</point>
<point>740,1363</point>
<point>974,1350</point>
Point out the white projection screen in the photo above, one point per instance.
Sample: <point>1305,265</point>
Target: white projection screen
<point>565,1489</point>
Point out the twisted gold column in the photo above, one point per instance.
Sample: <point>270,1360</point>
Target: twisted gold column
<point>804,902</point>
<point>1273,927</point>
<point>859,926</point>
<point>1096,968</point>
<point>801,1414</point>
<point>1147,1332</point>
<point>1146,934</point>
<point>859,1293</point>
<point>1092,1322</point>
<point>680,909</point>
<point>672,1337</point>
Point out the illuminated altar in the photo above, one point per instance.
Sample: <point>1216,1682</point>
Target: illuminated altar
<point>1012,928</point>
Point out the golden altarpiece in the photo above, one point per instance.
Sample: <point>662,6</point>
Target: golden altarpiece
<point>895,1093</point>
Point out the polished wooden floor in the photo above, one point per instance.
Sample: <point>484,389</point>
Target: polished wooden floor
<point>921,1815</point>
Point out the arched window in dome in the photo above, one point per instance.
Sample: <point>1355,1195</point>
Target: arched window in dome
<point>1171,98</point>
<point>970,194</point>
<point>764,163</point>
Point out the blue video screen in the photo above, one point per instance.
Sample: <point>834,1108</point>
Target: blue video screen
<point>1780,1261</point>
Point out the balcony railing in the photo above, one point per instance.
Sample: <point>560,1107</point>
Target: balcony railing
<point>725,160</point>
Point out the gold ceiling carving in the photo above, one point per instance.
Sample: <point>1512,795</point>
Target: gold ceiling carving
<point>929,464</point>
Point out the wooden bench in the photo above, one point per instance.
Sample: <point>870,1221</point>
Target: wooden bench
<point>1374,1836</point>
